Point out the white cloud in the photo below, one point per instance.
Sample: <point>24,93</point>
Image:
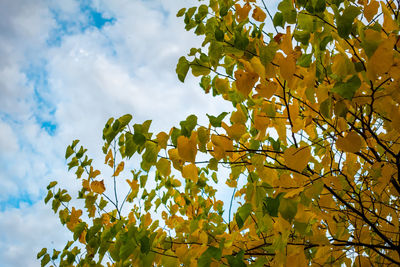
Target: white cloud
<point>25,231</point>
<point>127,66</point>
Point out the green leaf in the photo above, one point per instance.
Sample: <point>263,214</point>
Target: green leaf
<point>79,228</point>
<point>305,60</point>
<point>347,89</point>
<point>345,21</point>
<point>223,11</point>
<point>181,12</point>
<point>182,68</point>
<point>145,244</point>
<point>236,261</point>
<point>74,143</point>
<point>302,37</point>
<point>325,42</point>
<point>289,14</point>
<point>219,35</point>
<point>130,145</point>
<point>126,250</point>
<point>188,125</point>
<point>198,69</point>
<point>272,205</point>
<point>73,163</point>
<point>213,164</point>
<point>278,20</point>
<point>124,120</point>
<point>45,260</point>
<point>55,254</point>
<point>216,121</point>
<point>48,197</point>
<point>139,139</point>
<point>319,6</point>
<point>267,53</point>
<point>288,208</point>
<point>300,227</point>
<point>201,13</point>
<point>51,185</point>
<point>41,253</point>
<point>206,258</point>
<point>241,41</point>
<point>326,108</point>
<point>242,214</point>
<point>69,152</point>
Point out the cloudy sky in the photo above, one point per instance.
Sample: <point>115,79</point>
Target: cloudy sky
<point>66,67</point>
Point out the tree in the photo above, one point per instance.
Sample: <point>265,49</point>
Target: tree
<point>312,148</point>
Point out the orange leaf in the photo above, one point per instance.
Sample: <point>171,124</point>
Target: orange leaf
<point>350,143</point>
<point>267,90</point>
<point>93,174</point>
<point>371,9</point>
<point>235,131</point>
<point>85,184</point>
<point>190,172</point>
<point>162,139</point>
<point>222,144</point>
<point>74,218</point>
<point>119,169</point>
<point>109,156</point>
<point>242,12</point>
<point>245,81</point>
<point>187,147</point>
<point>287,66</point>
<point>98,187</point>
<point>297,158</point>
<point>259,15</point>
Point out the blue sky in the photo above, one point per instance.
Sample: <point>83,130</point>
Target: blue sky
<point>67,66</point>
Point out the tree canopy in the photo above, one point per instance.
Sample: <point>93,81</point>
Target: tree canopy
<point>311,152</point>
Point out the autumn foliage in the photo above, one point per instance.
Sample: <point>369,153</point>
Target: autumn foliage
<point>310,154</point>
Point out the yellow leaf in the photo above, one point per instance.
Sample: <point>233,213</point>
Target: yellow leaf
<point>74,218</point>
<point>294,192</point>
<point>235,131</point>
<point>187,147</point>
<point>98,186</point>
<point>222,144</point>
<point>119,169</point>
<point>388,23</point>
<point>109,156</point>
<point>222,85</point>
<point>85,184</point>
<point>287,43</point>
<point>258,67</point>
<point>93,174</point>
<point>342,66</point>
<point>258,14</point>
<point>350,143</point>
<point>82,237</point>
<point>287,66</point>
<point>175,158</point>
<point>370,9</point>
<point>297,158</point>
<point>238,116</point>
<point>245,81</point>
<point>242,12</point>
<point>382,59</point>
<point>162,139</point>
<point>181,251</point>
<point>190,172</point>
<point>147,219</point>
<point>164,167</point>
<point>134,185</point>
<point>266,90</point>
<point>261,121</point>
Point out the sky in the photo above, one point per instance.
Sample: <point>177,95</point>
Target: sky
<point>66,67</point>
